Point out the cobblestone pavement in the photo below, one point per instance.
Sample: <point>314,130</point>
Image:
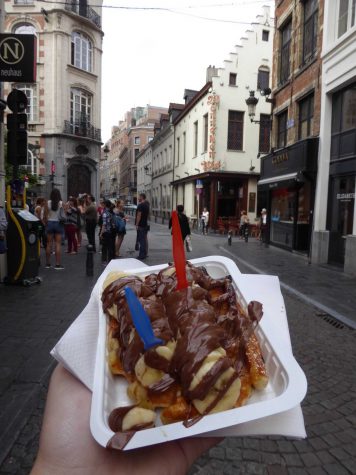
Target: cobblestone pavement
<point>33,319</point>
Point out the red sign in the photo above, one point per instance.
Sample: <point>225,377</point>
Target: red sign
<point>53,168</point>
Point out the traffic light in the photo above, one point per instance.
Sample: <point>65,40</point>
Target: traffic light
<point>17,139</point>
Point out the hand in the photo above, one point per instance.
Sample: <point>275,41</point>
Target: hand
<point>67,446</point>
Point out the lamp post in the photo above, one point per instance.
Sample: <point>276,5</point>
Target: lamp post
<point>252,102</point>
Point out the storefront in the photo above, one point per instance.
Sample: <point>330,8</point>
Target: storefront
<point>288,178</point>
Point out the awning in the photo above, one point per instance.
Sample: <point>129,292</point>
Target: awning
<point>289,176</point>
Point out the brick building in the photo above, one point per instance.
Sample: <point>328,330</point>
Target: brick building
<point>288,173</point>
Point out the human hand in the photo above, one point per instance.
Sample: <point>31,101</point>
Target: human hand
<point>67,446</point>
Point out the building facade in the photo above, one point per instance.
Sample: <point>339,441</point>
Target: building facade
<point>64,105</point>
<point>334,237</point>
<point>288,173</point>
<point>216,146</point>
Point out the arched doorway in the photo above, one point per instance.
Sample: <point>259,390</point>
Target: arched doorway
<point>79,180</point>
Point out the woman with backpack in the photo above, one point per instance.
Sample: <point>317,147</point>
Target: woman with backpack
<point>71,225</point>
<point>107,234</point>
<point>120,224</point>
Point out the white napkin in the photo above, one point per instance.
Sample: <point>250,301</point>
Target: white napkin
<point>76,350</point>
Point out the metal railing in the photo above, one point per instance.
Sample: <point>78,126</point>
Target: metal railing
<point>82,129</point>
<point>83,10</point>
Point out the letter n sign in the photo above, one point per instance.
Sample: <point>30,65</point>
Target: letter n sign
<point>17,58</point>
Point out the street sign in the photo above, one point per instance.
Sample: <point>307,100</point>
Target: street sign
<point>199,184</point>
<point>17,58</point>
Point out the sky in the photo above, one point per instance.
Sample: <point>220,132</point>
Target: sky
<point>150,55</point>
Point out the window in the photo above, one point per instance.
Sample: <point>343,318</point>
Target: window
<point>81,51</point>
<point>184,146</point>
<point>80,107</point>
<point>282,129</point>
<point>265,131</point>
<point>149,139</point>
<point>232,79</point>
<point>346,16</point>
<point>206,125</point>
<point>284,65</point>
<point>178,150</point>
<point>343,124</point>
<point>195,139</point>
<point>32,106</point>
<point>263,78</point>
<point>265,35</point>
<point>137,140</point>
<point>310,29</point>
<point>25,29</point>
<point>235,130</point>
<point>306,114</point>
<point>137,151</point>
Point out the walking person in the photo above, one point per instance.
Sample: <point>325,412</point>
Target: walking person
<point>120,222</point>
<point>41,212</point>
<point>263,226</point>
<point>91,219</point>
<point>81,220</point>
<point>244,225</point>
<point>71,225</point>
<point>106,234</point>
<point>142,213</point>
<point>55,228</point>
<point>205,221</point>
<point>184,227</point>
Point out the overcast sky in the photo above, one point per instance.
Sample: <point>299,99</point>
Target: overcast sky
<point>150,56</point>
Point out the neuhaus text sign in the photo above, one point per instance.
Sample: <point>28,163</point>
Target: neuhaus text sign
<point>17,58</point>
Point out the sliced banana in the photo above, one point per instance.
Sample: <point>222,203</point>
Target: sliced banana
<point>112,276</point>
<point>138,416</point>
<point>147,375</point>
<point>207,364</point>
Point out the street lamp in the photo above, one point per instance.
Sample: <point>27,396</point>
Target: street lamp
<point>252,102</point>
<point>106,151</point>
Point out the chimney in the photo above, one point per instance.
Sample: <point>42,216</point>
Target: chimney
<point>211,71</point>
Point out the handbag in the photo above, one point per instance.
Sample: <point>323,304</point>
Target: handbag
<point>62,218</point>
<point>188,244</point>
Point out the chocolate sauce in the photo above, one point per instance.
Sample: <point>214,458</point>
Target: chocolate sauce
<point>116,417</point>
<point>119,440</point>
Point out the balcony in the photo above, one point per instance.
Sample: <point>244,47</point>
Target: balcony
<point>81,8</point>
<point>82,129</point>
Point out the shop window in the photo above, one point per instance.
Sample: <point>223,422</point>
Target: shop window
<point>265,133</point>
<point>232,79</point>
<point>346,19</point>
<point>282,129</point>
<point>235,130</point>
<point>206,125</point>
<point>306,115</point>
<point>343,124</point>
<point>195,138</point>
<point>265,35</point>
<point>284,60</point>
<point>263,78</point>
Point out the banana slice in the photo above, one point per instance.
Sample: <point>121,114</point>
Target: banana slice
<point>147,375</point>
<point>138,417</point>
<point>207,364</point>
<point>112,276</point>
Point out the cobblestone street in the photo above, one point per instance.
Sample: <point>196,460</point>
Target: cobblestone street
<point>33,319</point>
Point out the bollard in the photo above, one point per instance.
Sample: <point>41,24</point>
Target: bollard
<point>229,237</point>
<point>90,261</point>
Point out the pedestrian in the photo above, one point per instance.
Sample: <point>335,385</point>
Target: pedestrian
<point>184,227</point>
<point>244,223</point>
<point>106,234</point>
<point>71,225</point>
<point>142,227</point>
<point>81,222</point>
<point>263,226</point>
<point>41,212</point>
<point>91,219</point>
<point>205,221</point>
<point>120,221</point>
<point>54,228</point>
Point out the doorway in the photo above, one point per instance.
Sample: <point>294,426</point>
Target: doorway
<point>79,180</point>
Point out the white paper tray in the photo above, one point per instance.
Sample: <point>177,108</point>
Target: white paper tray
<point>286,388</point>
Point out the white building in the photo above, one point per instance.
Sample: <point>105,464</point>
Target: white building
<point>64,105</point>
<point>215,141</point>
<point>334,237</point>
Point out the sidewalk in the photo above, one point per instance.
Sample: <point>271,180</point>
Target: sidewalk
<point>327,288</point>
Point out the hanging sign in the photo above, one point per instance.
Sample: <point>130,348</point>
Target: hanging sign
<point>17,58</point>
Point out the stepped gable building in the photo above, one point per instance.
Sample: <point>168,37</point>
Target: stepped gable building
<point>217,147</point>
<point>334,237</point>
<point>64,105</point>
<point>288,173</point>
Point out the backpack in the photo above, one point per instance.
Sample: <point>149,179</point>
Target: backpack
<point>119,223</point>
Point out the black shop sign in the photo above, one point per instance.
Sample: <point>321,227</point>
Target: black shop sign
<point>17,58</point>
